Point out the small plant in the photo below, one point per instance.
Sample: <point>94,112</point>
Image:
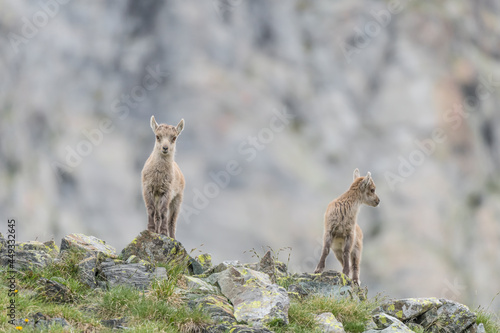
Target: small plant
<point>490,321</point>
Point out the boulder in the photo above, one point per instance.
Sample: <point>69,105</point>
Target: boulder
<point>137,275</point>
<point>255,298</point>
<point>236,329</point>
<point>49,247</point>
<point>409,308</point>
<point>328,284</point>
<point>327,323</point>
<point>217,307</point>
<point>205,261</point>
<point>26,260</point>
<point>53,291</point>
<point>156,248</point>
<point>451,317</point>
<point>198,286</point>
<point>87,244</point>
<point>87,270</point>
<point>386,324</point>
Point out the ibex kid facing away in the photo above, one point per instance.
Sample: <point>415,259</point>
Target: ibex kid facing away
<point>162,180</point>
<point>342,233</point>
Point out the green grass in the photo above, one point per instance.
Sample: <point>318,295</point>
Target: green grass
<point>159,309</point>
<point>490,321</point>
<point>352,314</point>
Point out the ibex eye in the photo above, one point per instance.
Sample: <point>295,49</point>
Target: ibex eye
<point>373,190</point>
<point>174,138</point>
<point>157,138</point>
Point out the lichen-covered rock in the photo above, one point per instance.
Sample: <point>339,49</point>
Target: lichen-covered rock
<point>255,298</point>
<point>155,248</point>
<point>205,260</point>
<point>53,291</point>
<point>217,307</point>
<point>87,244</point>
<point>450,317</point>
<point>237,329</point>
<point>198,286</point>
<point>327,323</point>
<point>26,260</point>
<point>49,247</point>
<point>409,308</point>
<point>134,275</point>
<point>296,291</point>
<point>87,270</point>
<point>328,284</point>
<point>386,323</point>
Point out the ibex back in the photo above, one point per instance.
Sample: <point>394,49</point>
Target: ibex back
<point>162,180</point>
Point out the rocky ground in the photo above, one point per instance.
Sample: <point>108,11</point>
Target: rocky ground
<point>231,296</point>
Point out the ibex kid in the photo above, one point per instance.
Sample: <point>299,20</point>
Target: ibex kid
<point>162,180</point>
<point>342,234</point>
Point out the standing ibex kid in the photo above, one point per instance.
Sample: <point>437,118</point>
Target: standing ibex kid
<point>162,180</point>
<point>342,233</point>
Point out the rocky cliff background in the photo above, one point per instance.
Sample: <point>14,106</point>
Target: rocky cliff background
<point>404,89</point>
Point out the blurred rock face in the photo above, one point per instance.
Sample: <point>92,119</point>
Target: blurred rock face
<point>282,100</point>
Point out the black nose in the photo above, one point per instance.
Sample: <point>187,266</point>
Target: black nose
<point>165,149</point>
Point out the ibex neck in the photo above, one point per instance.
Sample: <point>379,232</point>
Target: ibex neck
<point>353,198</point>
<point>162,158</point>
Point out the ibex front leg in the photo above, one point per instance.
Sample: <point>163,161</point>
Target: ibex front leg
<point>163,203</point>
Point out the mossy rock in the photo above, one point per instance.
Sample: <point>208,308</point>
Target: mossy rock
<point>87,244</point>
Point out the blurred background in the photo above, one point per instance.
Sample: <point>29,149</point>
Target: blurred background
<point>291,97</point>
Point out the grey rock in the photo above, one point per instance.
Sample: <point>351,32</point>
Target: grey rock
<point>87,244</point>
<point>296,291</point>
<point>49,247</point>
<point>196,285</point>
<point>237,329</point>
<point>114,323</point>
<point>327,323</point>
<point>387,324</point>
<point>255,298</point>
<point>87,270</point>
<point>53,291</point>
<point>409,308</point>
<point>156,248</point>
<point>328,284</point>
<point>205,260</point>
<point>217,307</point>
<point>450,317</point>
<point>26,260</point>
<point>133,275</point>
<point>195,268</point>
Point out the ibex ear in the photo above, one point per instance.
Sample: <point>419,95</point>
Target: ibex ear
<point>154,124</point>
<point>180,126</point>
<point>356,174</point>
<point>367,180</point>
